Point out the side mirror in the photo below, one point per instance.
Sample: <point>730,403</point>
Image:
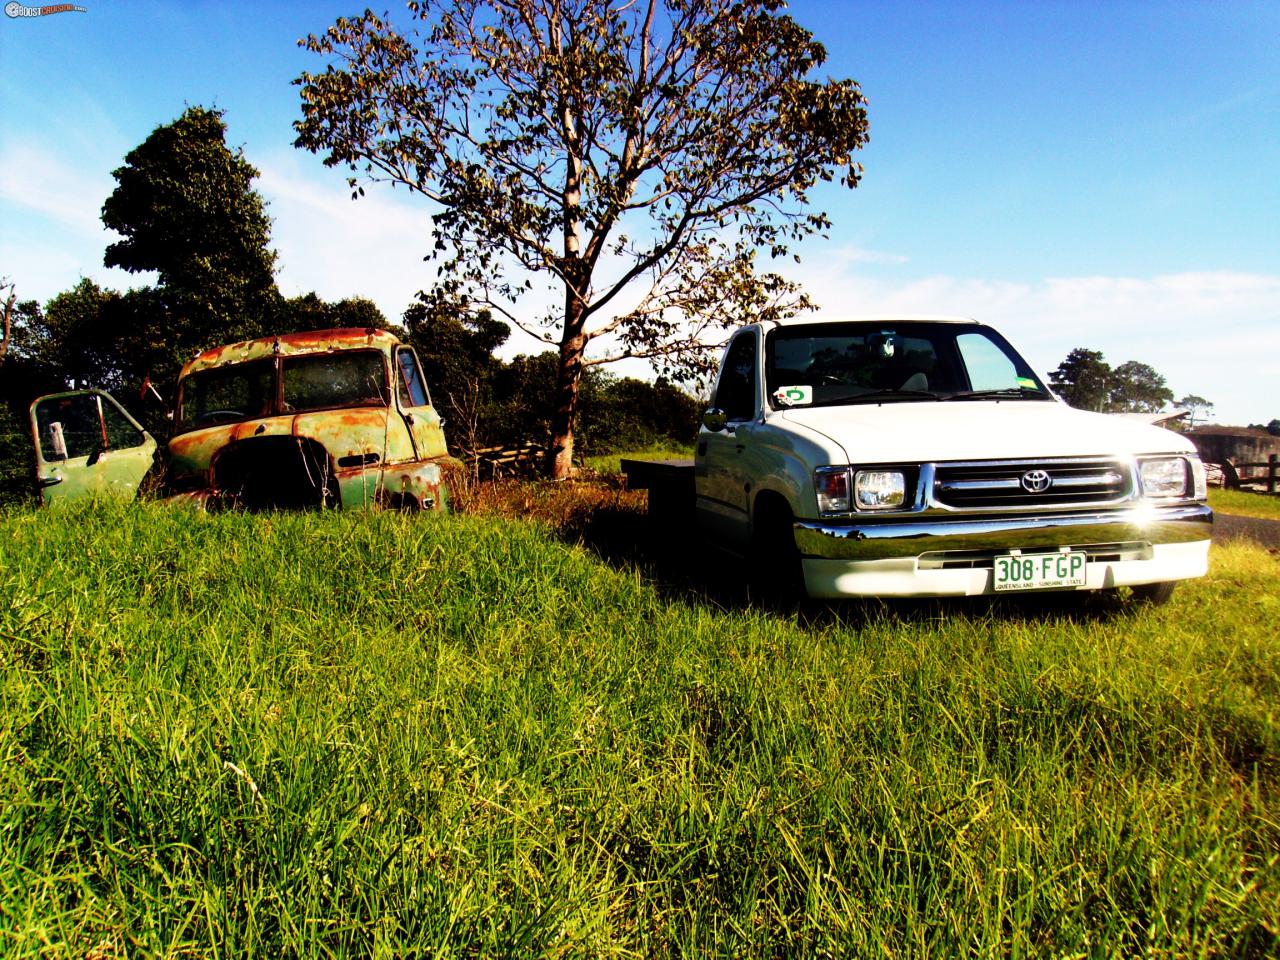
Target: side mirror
<point>715,419</point>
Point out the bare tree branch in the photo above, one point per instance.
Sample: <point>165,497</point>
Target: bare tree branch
<point>609,145</point>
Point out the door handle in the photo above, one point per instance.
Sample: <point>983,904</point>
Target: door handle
<point>48,481</point>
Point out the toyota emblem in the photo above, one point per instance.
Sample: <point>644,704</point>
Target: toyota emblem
<point>1036,481</point>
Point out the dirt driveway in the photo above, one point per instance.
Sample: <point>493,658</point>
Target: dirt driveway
<point>1227,526</point>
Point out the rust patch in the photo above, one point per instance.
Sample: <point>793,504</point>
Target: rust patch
<point>357,454</point>
<point>289,344</point>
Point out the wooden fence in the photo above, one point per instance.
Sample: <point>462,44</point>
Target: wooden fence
<point>492,463</point>
<point>1254,473</point>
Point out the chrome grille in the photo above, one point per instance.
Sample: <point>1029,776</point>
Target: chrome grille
<point>1031,483</point>
<point>983,559</point>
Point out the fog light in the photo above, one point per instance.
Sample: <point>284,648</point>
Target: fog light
<point>1166,477</point>
<point>879,489</point>
<point>832,484</point>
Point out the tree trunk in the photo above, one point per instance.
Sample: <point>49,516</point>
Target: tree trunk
<point>8,323</point>
<point>568,378</point>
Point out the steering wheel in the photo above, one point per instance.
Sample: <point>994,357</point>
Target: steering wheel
<point>211,417</point>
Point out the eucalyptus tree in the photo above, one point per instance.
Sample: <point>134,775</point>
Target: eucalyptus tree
<point>1197,407</point>
<point>603,174</point>
<point>8,314</point>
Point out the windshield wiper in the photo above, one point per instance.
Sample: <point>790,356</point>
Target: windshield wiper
<point>1012,393</point>
<point>878,396</point>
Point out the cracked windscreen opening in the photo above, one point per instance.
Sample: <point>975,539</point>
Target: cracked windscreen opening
<point>348,378</point>
<point>240,391</point>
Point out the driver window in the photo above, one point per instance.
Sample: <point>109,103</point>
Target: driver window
<point>121,433</point>
<point>737,390</point>
<point>70,427</point>
<point>412,391</point>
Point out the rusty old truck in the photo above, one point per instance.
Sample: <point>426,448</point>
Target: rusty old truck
<point>326,418</point>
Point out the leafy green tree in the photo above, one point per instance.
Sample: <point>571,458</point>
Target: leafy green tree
<point>1195,404</point>
<point>77,334</point>
<point>1083,379</point>
<point>23,376</point>
<point>1136,387</point>
<point>15,457</point>
<point>632,157</point>
<point>186,209</point>
<point>632,414</point>
<point>309,312</point>
<point>458,363</point>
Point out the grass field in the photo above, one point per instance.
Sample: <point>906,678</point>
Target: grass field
<point>1245,504</point>
<point>377,735</point>
<point>609,463</point>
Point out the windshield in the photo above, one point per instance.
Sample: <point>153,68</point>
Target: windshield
<point>238,391</point>
<point>865,362</point>
<point>347,378</point>
<point>246,391</point>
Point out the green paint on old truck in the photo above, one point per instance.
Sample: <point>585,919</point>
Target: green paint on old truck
<point>322,418</point>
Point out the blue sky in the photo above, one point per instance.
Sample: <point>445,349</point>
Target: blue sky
<point>1078,174</point>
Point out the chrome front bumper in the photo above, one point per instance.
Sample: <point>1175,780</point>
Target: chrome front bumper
<point>947,557</point>
<point>883,538</point>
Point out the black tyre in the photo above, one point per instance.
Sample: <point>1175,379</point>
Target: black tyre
<point>776,577</point>
<point>1154,593</point>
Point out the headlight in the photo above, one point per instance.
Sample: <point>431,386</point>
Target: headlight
<point>1166,477</point>
<point>879,489</point>
<point>832,484</point>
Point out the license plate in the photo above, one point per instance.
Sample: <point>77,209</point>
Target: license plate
<point>1038,571</point>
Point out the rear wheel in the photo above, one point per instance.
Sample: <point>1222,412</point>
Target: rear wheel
<point>1154,593</point>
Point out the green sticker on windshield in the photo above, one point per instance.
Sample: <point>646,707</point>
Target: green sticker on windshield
<point>1028,383</point>
<point>791,396</point>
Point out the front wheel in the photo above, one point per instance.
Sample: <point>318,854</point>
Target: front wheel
<point>1154,593</point>
<point>776,576</point>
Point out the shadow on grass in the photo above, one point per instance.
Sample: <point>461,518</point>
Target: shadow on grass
<point>684,568</point>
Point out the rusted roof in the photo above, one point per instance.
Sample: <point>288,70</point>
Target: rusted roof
<point>307,341</point>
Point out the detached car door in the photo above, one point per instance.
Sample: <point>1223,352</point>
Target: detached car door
<point>87,445</point>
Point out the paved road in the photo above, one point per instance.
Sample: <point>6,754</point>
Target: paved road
<point>1227,526</point>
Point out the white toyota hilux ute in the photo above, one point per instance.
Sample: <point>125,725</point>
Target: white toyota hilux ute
<point>924,457</point>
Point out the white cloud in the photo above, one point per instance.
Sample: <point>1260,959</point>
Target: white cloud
<point>339,247</point>
<point>50,211</point>
<point>38,181</point>
<point>851,254</point>
<point>1214,333</point>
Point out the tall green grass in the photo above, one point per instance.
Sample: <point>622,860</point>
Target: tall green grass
<point>611,463</point>
<point>1245,503</point>
<point>358,734</point>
